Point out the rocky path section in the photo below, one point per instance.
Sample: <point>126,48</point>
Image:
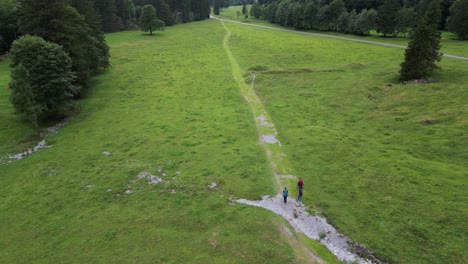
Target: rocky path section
<point>314,227</point>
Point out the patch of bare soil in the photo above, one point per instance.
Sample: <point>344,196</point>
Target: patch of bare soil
<point>270,139</point>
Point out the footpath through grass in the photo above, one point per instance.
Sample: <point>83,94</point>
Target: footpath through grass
<point>168,106</point>
<point>385,162</point>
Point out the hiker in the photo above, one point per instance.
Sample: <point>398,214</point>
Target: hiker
<point>300,184</point>
<point>299,196</point>
<point>285,194</point>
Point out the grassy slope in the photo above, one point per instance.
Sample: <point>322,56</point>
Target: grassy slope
<point>169,102</point>
<point>449,43</point>
<point>15,135</point>
<point>370,164</point>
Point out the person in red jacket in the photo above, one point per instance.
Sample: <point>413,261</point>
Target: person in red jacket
<point>300,184</point>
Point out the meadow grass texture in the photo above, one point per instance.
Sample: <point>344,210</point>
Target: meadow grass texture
<point>168,106</point>
<point>385,162</point>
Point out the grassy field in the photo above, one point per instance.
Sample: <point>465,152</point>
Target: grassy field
<point>169,107</point>
<point>385,162</point>
<point>449,43</point>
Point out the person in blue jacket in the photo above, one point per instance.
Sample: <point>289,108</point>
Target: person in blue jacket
<point>285,194</point>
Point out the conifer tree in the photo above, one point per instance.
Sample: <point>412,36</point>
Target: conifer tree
<point>107,9</point>
<point>387,14</point>
<point>216,7</point>
<point>458,20</point>
<point>422,52</point>
<point>244,9</point>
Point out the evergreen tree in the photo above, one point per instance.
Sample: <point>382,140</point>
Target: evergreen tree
<point>405,20</point>
<point>87,10</point>
<point>245,12</point>
<point>216,7</point>
<point>9,16</point>
<point>282,13</point>
<point>310,15</point>
<point>297,16</point>
<point>353,20</point>
<point>423,49</point>
<point>270,12</point>
<point>366,21</point>
<point>92,18</point>
<point>126,12</point>
<point>445,13</point>
<point>107,9</point>
<point>256,10</point>
<point>200,9</point>
<point>342,23</point>
<point>458,20</point>
<point>186,12</point>
<point>164,12</point>
<point>386,20</point>
<point>329,14</point>
<point>41,79</point>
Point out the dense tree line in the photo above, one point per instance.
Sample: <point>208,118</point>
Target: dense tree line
<point>388,17</point>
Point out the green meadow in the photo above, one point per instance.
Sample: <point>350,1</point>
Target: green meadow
<point>449,43</point>
<point>168,106</point>
<point>386,163</point>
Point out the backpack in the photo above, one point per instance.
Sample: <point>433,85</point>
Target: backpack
<point>300,183</point>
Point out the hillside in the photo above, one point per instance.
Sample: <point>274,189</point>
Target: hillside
<point>386,163</point>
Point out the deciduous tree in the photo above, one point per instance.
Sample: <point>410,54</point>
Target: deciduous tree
<point>149,21</point>
<point>41,79</point>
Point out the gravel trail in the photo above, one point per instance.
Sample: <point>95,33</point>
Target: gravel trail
<point>314,227</point>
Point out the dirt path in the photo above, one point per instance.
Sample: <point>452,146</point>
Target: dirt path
<point>313,226</point>
<point>333,37</point>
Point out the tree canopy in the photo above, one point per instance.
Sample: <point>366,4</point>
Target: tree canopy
<point>458,20</point>
<point>58,22</point>
<point>149,21</point>
<point>41,79</point>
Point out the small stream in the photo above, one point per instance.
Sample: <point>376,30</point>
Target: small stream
<point>41,145</point>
